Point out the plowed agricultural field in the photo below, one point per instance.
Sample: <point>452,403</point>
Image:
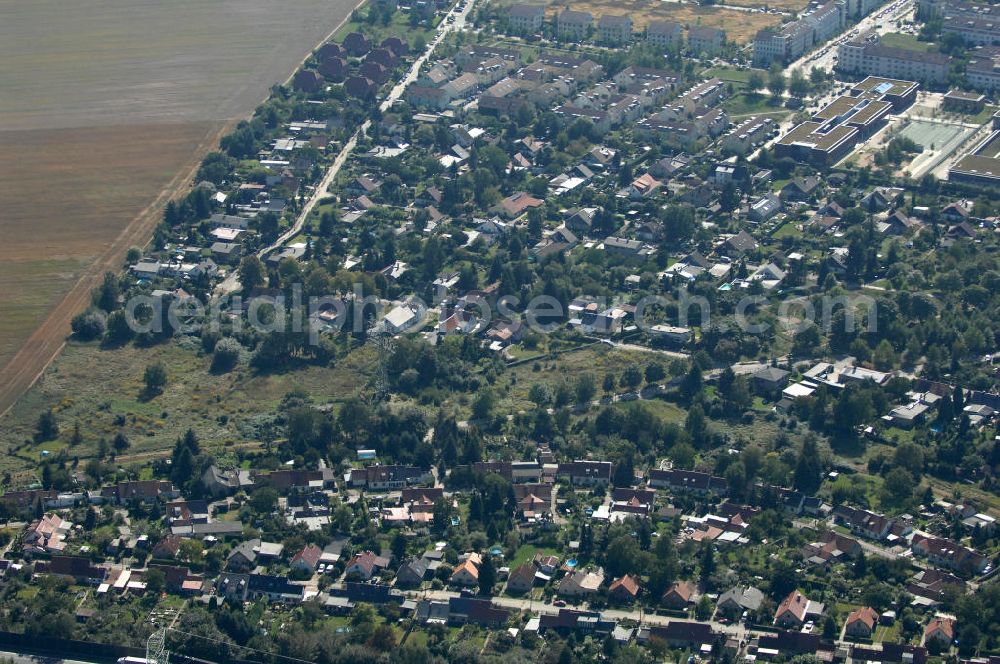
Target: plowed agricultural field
<point>106,108</point>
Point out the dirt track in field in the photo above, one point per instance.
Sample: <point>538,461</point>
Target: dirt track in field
<point>108,108</point>
<point>48,338</point>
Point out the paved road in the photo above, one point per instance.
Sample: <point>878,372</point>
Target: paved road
<point>457,22</point>
<point>538,606</point>
<point>885,18</point>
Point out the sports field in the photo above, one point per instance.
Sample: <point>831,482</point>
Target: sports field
<point>938,141</point>
<point>106,105</point>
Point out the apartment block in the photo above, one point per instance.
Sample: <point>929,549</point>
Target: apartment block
<point>983,70</point>
<point>665,34</point>
<point>783,45</point>
<point>573,25</point>
<point>614,30</point>
<point>526,19</point>
<point>703,39</point>
<point>865,55</point>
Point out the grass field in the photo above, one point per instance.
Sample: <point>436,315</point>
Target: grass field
<point>222,408</point>
<point>983,116</point>
<point>104,103</point>
<point>910,42</point>
<point>399,26</point>
<point>887,633</point>
<point>597,360</point>
<point>740,26</point>
<point>215,406</point>
<point>743,105</point>
<point>738,77</point>
<point>789,229</point>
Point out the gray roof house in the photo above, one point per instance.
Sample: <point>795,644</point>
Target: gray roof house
<point>770,381</point>
<point>738,599</point>
<point>412,573</point>
<point>764,208</point>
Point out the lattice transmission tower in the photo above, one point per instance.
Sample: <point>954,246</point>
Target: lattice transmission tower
<point>156,647</point>
<point>384,346</point>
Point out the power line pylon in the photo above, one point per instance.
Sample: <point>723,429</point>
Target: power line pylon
<point>384,346</point>
<point>156,647</point>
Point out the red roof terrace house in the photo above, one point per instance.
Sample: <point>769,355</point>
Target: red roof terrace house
<point>951,555</point>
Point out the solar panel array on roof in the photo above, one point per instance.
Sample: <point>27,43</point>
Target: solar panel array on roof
<point>883,88</point>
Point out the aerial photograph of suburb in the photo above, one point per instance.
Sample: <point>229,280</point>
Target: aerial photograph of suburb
<point>500,331</point>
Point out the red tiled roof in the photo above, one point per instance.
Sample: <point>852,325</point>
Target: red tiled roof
<point>865,614</point>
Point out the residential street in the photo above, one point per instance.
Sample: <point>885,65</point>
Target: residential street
<point>232,283</point>
<point>525,604</point>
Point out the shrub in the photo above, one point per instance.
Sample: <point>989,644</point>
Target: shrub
<point>89,325</point>
<point>226,354</point>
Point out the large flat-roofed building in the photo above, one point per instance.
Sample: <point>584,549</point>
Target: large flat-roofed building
<point>864,113</point>
<point>865,55</point>
<point>831,134</point>
<point>982,165</point>
<point>959,101</point>
<point>901,94</point>
<point>818,143</point>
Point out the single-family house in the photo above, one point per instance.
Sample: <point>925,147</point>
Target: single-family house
<point>307,559</point>
<point>861,623</point>
<point>940,630</point>
<point>624,590</point>
<point>365,565</point>
<point>679,596</point>
<point>795,610</point>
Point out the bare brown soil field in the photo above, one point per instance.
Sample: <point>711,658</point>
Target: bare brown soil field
<point>105,62</point>
<point>740,26</point>
<point>107,107</point>
<point>782,5</point>
<point>146,163</point>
